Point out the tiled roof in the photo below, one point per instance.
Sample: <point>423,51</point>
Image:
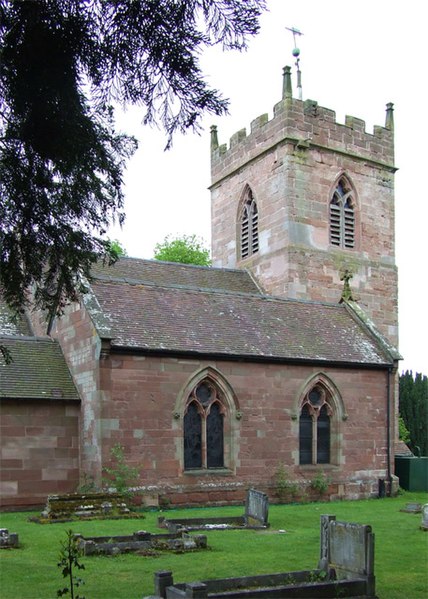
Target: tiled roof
<point>169,274</point>
<point>178,319</point>
<point>38,370</point>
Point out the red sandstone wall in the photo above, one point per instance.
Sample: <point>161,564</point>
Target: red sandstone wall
<point>39,451</point>
<point>81,346</point>
<point>138,412</point>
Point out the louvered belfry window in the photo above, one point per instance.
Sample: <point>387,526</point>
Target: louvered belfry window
<point>249,227</point>
<point>314,427</point>
<point>342,216</point>
<point>203,426</point>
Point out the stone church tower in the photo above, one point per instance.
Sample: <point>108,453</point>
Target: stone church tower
<point>304,202</point>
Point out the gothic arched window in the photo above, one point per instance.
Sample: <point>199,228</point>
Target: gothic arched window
<point>204,428</point>
<point>249,226</point>
<point>342,215</point>
<point>315,427</point>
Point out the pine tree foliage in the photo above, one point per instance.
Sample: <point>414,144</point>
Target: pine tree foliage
<point>63,64</point>
<point>413,407</point>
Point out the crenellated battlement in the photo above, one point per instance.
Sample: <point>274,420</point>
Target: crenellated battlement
<point>306,125</point>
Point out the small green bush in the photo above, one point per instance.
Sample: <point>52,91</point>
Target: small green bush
<point>285,489</point>
<point>120,475</point>
<point>320,483</point>
<point>404,433</point>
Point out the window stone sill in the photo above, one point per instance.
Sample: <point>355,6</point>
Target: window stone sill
<point>208,472</point>
<point>316,467</point>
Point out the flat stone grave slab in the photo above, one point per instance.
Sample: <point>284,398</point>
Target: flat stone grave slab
<point>255,517</point>
<point>412,508</point>
<point>140,542</point>
<point>85,506</point>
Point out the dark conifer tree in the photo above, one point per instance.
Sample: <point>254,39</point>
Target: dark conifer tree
<point>63,64</point>
<point>413,406</point>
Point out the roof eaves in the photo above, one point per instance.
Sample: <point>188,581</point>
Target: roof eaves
<point>361,317</point>
<point>116,348</point>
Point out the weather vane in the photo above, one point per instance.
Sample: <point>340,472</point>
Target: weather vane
<point>296,54</point>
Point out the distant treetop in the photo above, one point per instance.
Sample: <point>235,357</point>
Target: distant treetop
<point>187,249</point>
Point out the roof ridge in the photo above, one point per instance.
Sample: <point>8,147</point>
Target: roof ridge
<point>149,283</point>
<point>181,264</point>
<point>260,295</point>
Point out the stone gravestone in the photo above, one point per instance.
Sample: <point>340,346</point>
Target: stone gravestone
<point>256,508</point>
<point>424,523</point>
<point>347,549</point>
<point>8,539</point>
<point>412,508</point>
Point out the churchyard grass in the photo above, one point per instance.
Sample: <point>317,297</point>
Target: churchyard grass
<point>401,561</point>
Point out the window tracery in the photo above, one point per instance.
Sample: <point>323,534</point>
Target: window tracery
<point>342,215</point>
<point>315,427</point>
<point>203,426</point>
<point>249,226</point>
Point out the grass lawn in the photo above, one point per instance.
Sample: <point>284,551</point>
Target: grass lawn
<point>401,553</point>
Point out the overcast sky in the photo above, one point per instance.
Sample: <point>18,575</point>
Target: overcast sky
<point>355,57</point>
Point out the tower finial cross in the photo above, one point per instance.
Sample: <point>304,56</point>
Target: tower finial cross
<point>296,54</point>
<point>295,32</point>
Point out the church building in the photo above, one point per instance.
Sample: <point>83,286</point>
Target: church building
<point>280,357</point>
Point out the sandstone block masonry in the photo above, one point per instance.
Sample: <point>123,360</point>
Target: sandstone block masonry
<point>40,450</point>
<point>292,164</point>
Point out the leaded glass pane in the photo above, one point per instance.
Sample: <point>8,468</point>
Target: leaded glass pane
<point>204,393</point>
<point>192,438</point>
<point>305,436</point>
<point>323,437</point>
<point>315,397</point>
<point>215,438</point>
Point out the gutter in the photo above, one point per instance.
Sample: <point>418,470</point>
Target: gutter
<point>192,354</point>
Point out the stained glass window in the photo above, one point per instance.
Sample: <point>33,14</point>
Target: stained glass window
<point>192,437</point>
<point>204,428</point>
<point>314,428</point>
<point>215,437</point>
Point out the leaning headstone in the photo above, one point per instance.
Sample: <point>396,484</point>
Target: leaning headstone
<point>424,523</point>
<point>8,539</point>
<point>256,508</point>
